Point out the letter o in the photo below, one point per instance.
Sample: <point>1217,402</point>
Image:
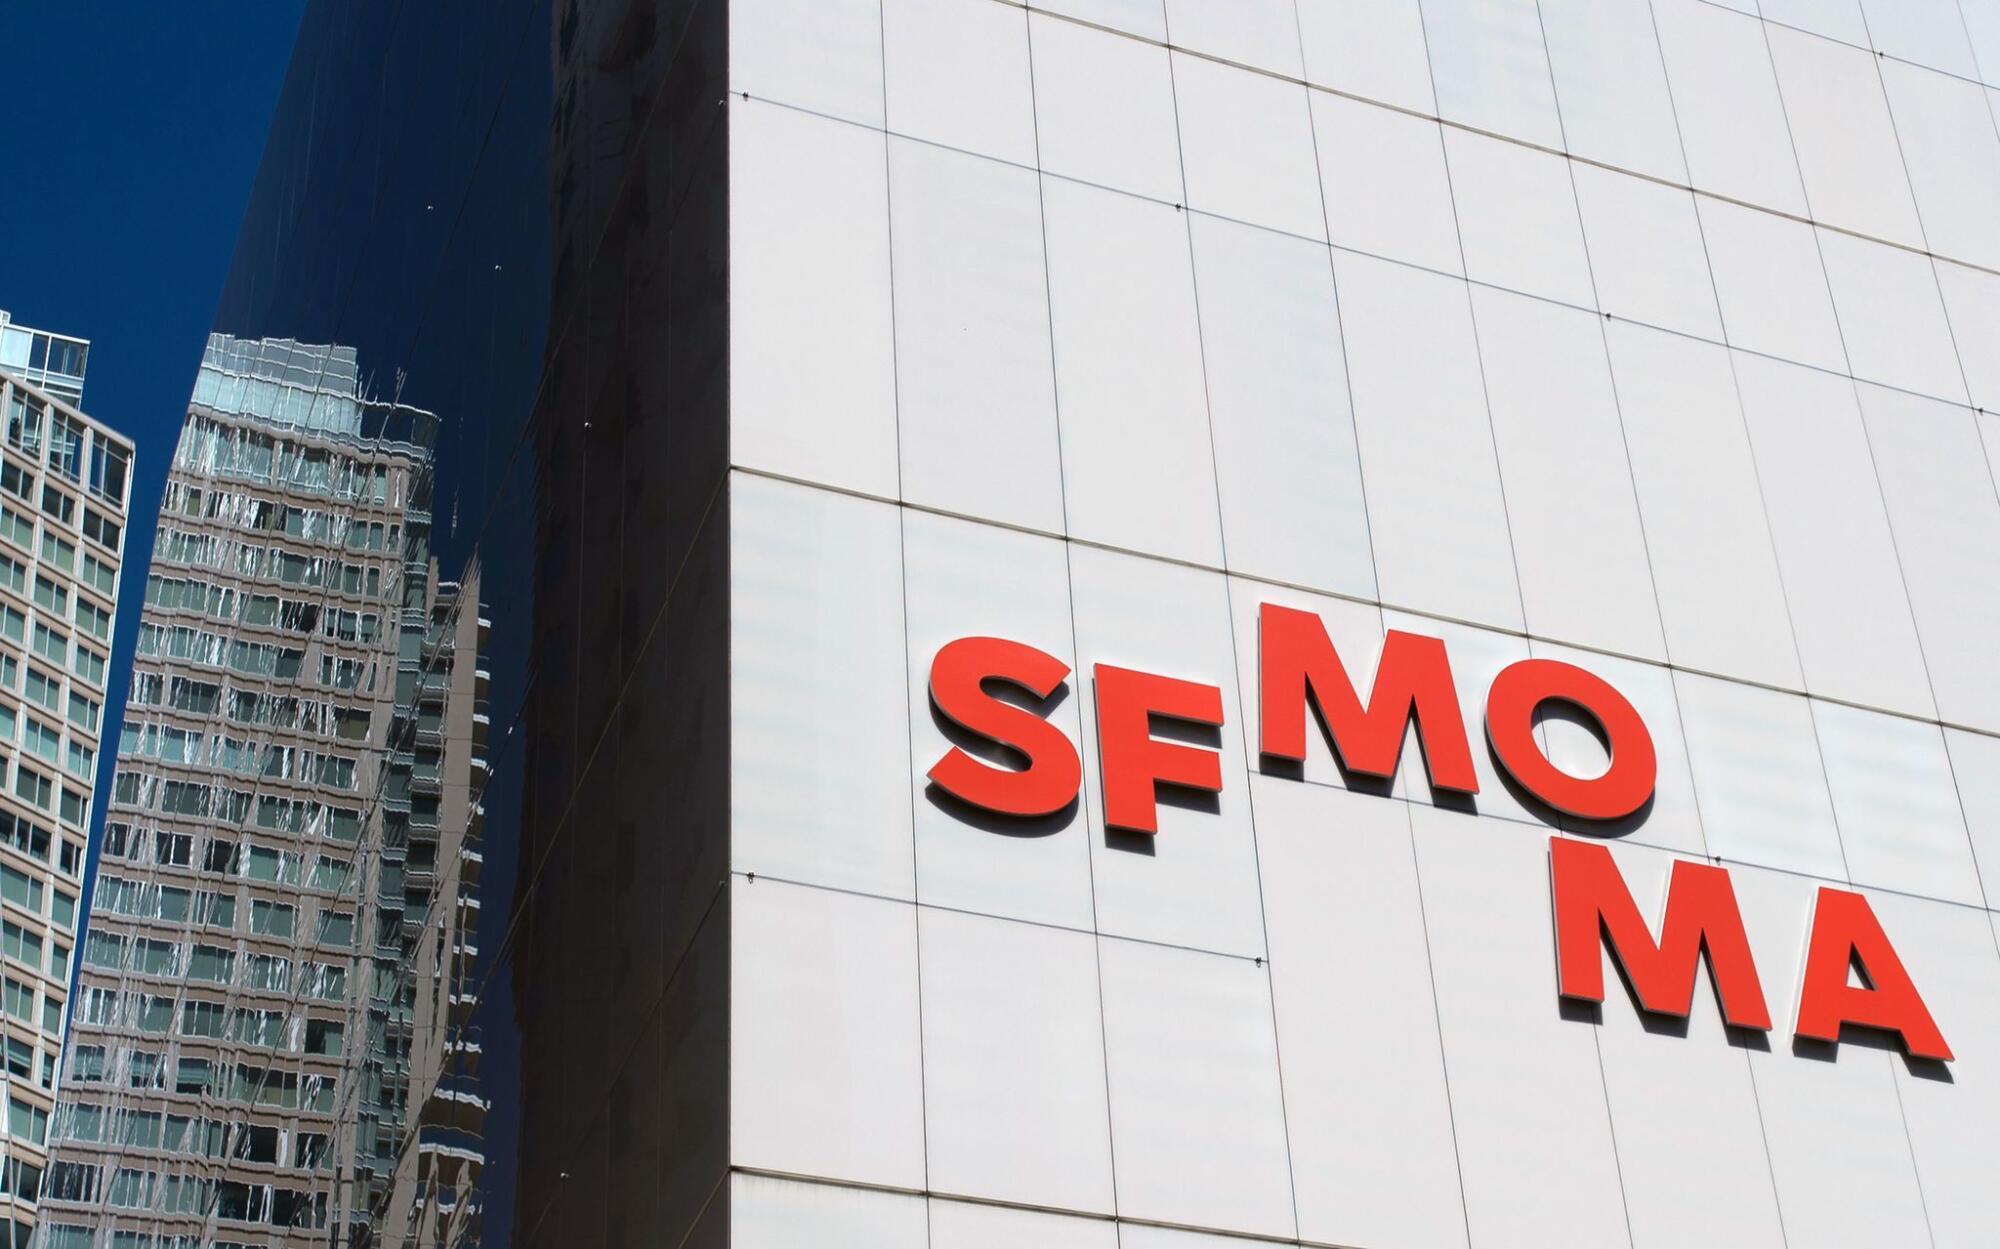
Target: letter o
<point>1510,725</point>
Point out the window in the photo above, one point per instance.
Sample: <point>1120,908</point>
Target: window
<point>51,597</point>
<point>17,528</point>
<point>28,1121</point>
<point>24,422</point>
<point>43,690</point>
<point>99,528</point>
<point>57,504</point>
<point>274,919</point>
<point>89,665</point>
<point>93,620</point>
<point>66,447</point>
<point>58,552</point>
<point>108,468</point>
<point>30,786</point>
<point>50,645</point>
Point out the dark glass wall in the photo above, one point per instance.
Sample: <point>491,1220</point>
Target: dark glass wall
<point>515,212</point>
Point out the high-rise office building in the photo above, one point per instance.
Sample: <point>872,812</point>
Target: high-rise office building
<point>53,363</point>
<point>63,484</point>
<point>298,726</point>
<point>1182,624</point>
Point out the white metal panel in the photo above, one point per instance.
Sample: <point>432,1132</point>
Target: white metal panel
<point>823,55</point>
<point>1285,456</point>
<point>1262,33</point>
<point>1975,766</point>
<point>1713,565</point>
<point>1612,85</point>
<point>975,375</point>
<point>1138,463</point>
<point>1195,882</point>
<point>1758,775</point>
<point>1850,614</point>
<point>1104,109</point>
<point>1897,805</point>
<point>825,1070</point>
<point>1435,508</point>
<point>767,1213</point>
<point>1014,1102</point>
<point>1517,218</point>
<point>1683,1109</point>
<point>1928,32</point>
<point>1836,19</point>
<point>1147,18</point>
<point>1489,68</point>
<point>1370,1121</point>
<point>1771,285</point>
<point>969,580</point>
<point>1891,317</point>
<point>1534,1135</point>
<point>1972,303</point>
<point>967,1225</point>
<point>812,355</point>
<point>1647,258</point>
<point>1845,142</point>
<point>1371,48</point>
<point>1197,1124</point>
<point>1946,133</point>
<point>819,742</point>
<point>1672,819</point>
<point>1247,146</point>
<point>1726,97</point>
<point>958,74</point>
<point>1954,1124</point>
<point>1578,546</point>
<point>1946,519</point>
<point>1839,1151</point>
<point>1385,184</point>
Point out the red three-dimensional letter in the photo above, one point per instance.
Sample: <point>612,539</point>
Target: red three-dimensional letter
<point>1591,898</point>
<point>1050,781</point>
<point>1133,760</point>
<point>1844,932</point>
<point>1297,662</point>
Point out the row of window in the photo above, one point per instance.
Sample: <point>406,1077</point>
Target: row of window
<point>212,448</point>
<point>33,840</point>
<point>45,794</point>
<point>254,659</point>
<point>198,800</point>
<point>228,754</point>
<point>280,711</point>
<point>27,892</point>
<point>260,514</point>
<point>52,645</point>
<point>199,962</point>
<point>107,467</point>
<point>222,602</point>
<point>271,563</point>
<point>156,1014</point>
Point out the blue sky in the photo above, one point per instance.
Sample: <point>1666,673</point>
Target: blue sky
<point>136,130</point>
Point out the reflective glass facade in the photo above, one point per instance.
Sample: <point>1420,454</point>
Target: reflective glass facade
<point>770,346</point>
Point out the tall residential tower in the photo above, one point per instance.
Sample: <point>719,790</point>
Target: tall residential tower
<point>63,485</point>
<point>237,1073</point>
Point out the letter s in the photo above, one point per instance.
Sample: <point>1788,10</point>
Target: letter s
<point>1054,773</point>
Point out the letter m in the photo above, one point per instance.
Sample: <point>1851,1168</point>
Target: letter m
<point>1297,664</point>
<point>1593,904</point>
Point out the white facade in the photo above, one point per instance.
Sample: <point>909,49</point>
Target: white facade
<point>1657,337</point>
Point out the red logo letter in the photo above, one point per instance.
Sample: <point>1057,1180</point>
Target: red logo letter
<point>1297,662</point>
<point>1845,932</point>
<point>1132,761</point>
<point>1590,897</point>
<point>1052,776</point>
<point>1510,726</point>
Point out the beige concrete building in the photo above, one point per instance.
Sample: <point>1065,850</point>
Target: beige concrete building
<point>63,485</point>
